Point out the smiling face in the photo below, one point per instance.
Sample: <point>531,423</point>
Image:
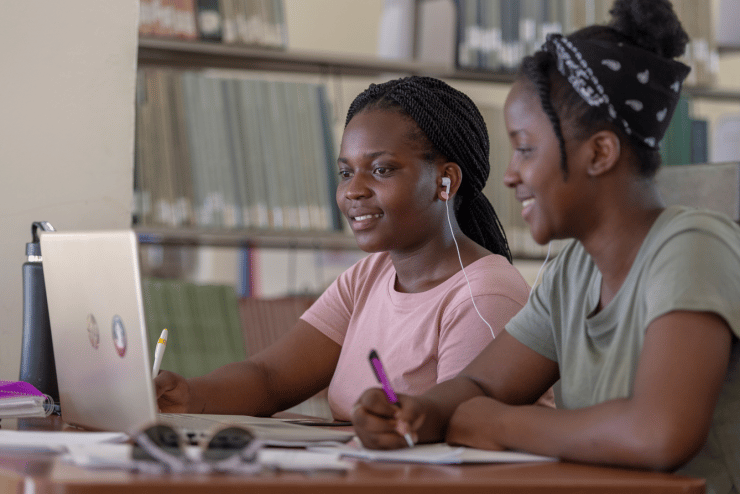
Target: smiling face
<point>387,187</point>
<point>552,206</point>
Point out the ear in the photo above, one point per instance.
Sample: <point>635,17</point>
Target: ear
<point>605,150</point>
<point>454,173</point>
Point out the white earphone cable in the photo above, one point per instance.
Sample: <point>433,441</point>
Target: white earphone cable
<point>549,245</point>
<point>449,222</point>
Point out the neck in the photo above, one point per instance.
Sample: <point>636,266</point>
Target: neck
<point>432,263</point>
<point>622,226</point>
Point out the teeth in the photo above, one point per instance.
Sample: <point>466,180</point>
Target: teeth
<point>367,217</point>
<point>527,202</point>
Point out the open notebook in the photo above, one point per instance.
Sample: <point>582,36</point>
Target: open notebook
<point>96,310</point>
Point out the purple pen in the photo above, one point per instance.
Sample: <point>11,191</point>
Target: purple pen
<point>380,374</point>
<point>389,393</point>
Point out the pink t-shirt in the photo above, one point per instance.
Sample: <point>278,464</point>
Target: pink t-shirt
<point>422,338</point>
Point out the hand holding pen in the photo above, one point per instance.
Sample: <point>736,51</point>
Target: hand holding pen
<point>377,366</point>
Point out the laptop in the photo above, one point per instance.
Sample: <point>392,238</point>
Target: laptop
<point>103,363</point>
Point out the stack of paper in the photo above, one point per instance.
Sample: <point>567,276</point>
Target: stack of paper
<point>438,453</point>
<point>21,399</point>
<point>54,441</point>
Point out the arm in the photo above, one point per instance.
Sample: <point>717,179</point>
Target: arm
<point>294,368</point>
<point>663,424</point>
<point>505,369</point>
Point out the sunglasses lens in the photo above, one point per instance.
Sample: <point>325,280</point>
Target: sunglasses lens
<point>163,436</point>
<point>157,443</point>
<point>227,443</point>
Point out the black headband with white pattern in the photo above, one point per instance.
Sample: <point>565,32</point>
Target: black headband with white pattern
<point>639,89</point>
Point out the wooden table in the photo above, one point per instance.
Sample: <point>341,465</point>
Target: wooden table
<point>46,474</point>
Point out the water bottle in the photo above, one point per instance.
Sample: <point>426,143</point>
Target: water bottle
<point>37,353</point>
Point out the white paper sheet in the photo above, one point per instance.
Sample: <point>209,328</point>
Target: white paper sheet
<point>54,441</point>
<point>439,453</point>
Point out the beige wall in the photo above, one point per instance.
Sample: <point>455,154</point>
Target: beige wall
<point>66,131</point>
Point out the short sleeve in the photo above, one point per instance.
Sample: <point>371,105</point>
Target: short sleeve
<point>695,270</point>
<point>464,334</point>
<point>532,326</point>
<point>332,311</point>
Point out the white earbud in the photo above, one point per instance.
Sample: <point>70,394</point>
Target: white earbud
<point>446,183</point>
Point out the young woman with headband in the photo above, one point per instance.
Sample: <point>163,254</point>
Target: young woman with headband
<point>409,299</point>
<point>638,317</point>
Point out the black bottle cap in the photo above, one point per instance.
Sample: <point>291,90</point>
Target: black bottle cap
<point>33,249</point>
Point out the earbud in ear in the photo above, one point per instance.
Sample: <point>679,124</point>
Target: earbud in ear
<point>446,184</point>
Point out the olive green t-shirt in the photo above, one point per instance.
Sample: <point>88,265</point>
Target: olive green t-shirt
<point>690,260</point>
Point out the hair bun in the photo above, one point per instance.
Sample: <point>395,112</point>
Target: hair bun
<point>650,24</point>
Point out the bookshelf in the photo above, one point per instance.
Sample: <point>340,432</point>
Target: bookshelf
<point>175,53</point>
<point>185,54</point>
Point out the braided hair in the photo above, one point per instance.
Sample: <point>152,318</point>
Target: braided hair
<point>453,128</point>
<point>648,24</point>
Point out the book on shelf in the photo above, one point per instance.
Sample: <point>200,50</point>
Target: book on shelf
<point>239,22</point>
<point>435,37</point>
<point>233,153</point>
<point>699,141</point>
<point>168,18</point>
<point>494,35</point>
<point>203,321</point>
<point>327,151</point>
<point>677,143</point>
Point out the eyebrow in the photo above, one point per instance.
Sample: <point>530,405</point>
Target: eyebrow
<point>367,156</point>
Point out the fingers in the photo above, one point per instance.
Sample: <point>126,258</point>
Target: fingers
<point>165,381</point>
<point>173,393</point>
<point>381,425</point>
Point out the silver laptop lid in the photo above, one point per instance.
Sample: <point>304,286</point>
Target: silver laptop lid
<point>96,311</point>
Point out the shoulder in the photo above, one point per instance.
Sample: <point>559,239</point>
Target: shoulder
<point>683,218</point>
<point>365,273</point>
<point>680,227</point>
<point>493,275</point>
<point>370,265</point>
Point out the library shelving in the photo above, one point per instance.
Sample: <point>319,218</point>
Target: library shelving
<point>155,52</point>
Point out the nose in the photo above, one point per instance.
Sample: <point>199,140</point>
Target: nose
<point>511,175</point>
<point>356,187</point>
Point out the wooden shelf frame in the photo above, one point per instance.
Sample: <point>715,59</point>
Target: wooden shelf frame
<point>200,54</point>
<point>269,239</point>
<point>184,54</point>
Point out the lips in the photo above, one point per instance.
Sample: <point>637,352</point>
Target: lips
<point>527,200</point>
<point>363,220</point>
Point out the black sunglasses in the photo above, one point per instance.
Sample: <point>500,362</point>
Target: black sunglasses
<point>227,449</point>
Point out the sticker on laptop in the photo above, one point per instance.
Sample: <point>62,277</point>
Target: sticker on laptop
<point>93,333</point>
<point>119,336</point>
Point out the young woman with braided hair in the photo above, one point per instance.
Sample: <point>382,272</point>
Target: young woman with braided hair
<point>638,316</point>
<point>409,299</point>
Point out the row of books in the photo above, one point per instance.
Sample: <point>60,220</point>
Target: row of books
<point>494,35</point>
<point>233,153</point>
<point>247,22</point>
<point>210,326</point>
